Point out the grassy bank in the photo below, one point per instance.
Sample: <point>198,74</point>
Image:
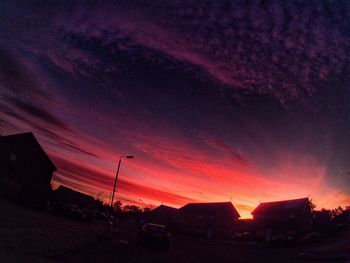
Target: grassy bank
<point>28,235</point>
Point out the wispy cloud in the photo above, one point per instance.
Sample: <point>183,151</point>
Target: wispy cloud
<point>37,112</point>
<point>239,100</point>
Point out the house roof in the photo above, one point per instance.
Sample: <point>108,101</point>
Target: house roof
<point>68,195</point>
<point>70,191</point>
<point>281,207</point>
<point>196,208</point>
<point>164,209</point>
<point>27,139</point>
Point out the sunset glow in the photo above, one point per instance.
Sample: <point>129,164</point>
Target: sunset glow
<point>216,104</point>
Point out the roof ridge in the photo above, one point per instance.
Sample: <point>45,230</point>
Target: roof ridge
<point>287,200</point>
<point>35,140</point>
<point>195,203</point>
<point>281,205</point>
<point>16,134</point>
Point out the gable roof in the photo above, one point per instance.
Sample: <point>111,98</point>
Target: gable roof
<point>27,139</point>
<point>70,196</point>
<point>164,209</point>
<point>281,207</point>
<point>197,208</point>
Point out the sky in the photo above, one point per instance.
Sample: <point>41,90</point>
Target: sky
<point>217,100</point>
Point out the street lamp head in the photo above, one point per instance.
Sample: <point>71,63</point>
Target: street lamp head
<point>127,156</point>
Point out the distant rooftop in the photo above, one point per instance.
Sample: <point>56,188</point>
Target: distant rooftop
<point>165,208</point>
<point>209,208</point>
<point>281,206</point>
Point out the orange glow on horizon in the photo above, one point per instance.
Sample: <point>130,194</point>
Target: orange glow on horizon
<point>174,172</point>
<point>196,179</point>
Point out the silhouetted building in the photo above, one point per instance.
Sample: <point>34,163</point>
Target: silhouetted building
<point>25,170</point>
<point>164,215</point>
<point>248,230</point>
<point>292,217</point>
<point>207,219</point>
<point>245,225</point>
<point>68,196</point>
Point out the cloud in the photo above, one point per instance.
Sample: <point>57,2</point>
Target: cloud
<point>44,124</point>
<point>15,77</point>
<point>78,172</point>
<point>275,48</point>
<point>241,100</point>
<point>37,112</point>
<point>221,146</point>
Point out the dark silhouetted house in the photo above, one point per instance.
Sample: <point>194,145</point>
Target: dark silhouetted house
<point>292,217</point>
<point>164,215</point>
<point>25,170</point>
<point>68,196</point>
<point>207,219</point>
<point>245,225</point>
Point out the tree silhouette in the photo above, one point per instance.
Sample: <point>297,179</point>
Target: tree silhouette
<point>312,206</point>
<point>132,208</point>
<point>146,209</point>
<point>117,206</point>
<point>337,211</point>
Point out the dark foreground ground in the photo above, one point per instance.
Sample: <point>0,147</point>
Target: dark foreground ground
<point>31,236</point>
<point>122,248</point>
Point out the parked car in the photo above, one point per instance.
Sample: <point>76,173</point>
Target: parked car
<point>154,235</point>
<point>243,236</point>
<point>100,215</point>
<point>72,211</point>
<point>281,240</point>
<point>235,236</point>
<point>309,238</point>
<point>340,227</point>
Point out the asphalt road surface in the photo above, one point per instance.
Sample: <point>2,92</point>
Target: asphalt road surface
<point>122,247</point>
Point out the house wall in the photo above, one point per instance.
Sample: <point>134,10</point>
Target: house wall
<point>72,197</point>
<point>10,187</point>
<point>294,223</point>
<point>33,171</point>
<point>207,225</point>
<point>163,217</point>
<point>225,224</point>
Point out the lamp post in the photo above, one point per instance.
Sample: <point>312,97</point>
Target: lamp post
<point>116,176</point>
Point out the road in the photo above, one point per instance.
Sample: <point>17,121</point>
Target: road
<point>123,248</point>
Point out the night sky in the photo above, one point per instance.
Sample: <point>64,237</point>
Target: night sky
<point>217,100</point>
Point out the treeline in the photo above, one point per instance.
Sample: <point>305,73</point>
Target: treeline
<point>328,221</point>
<point>119,209</point>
